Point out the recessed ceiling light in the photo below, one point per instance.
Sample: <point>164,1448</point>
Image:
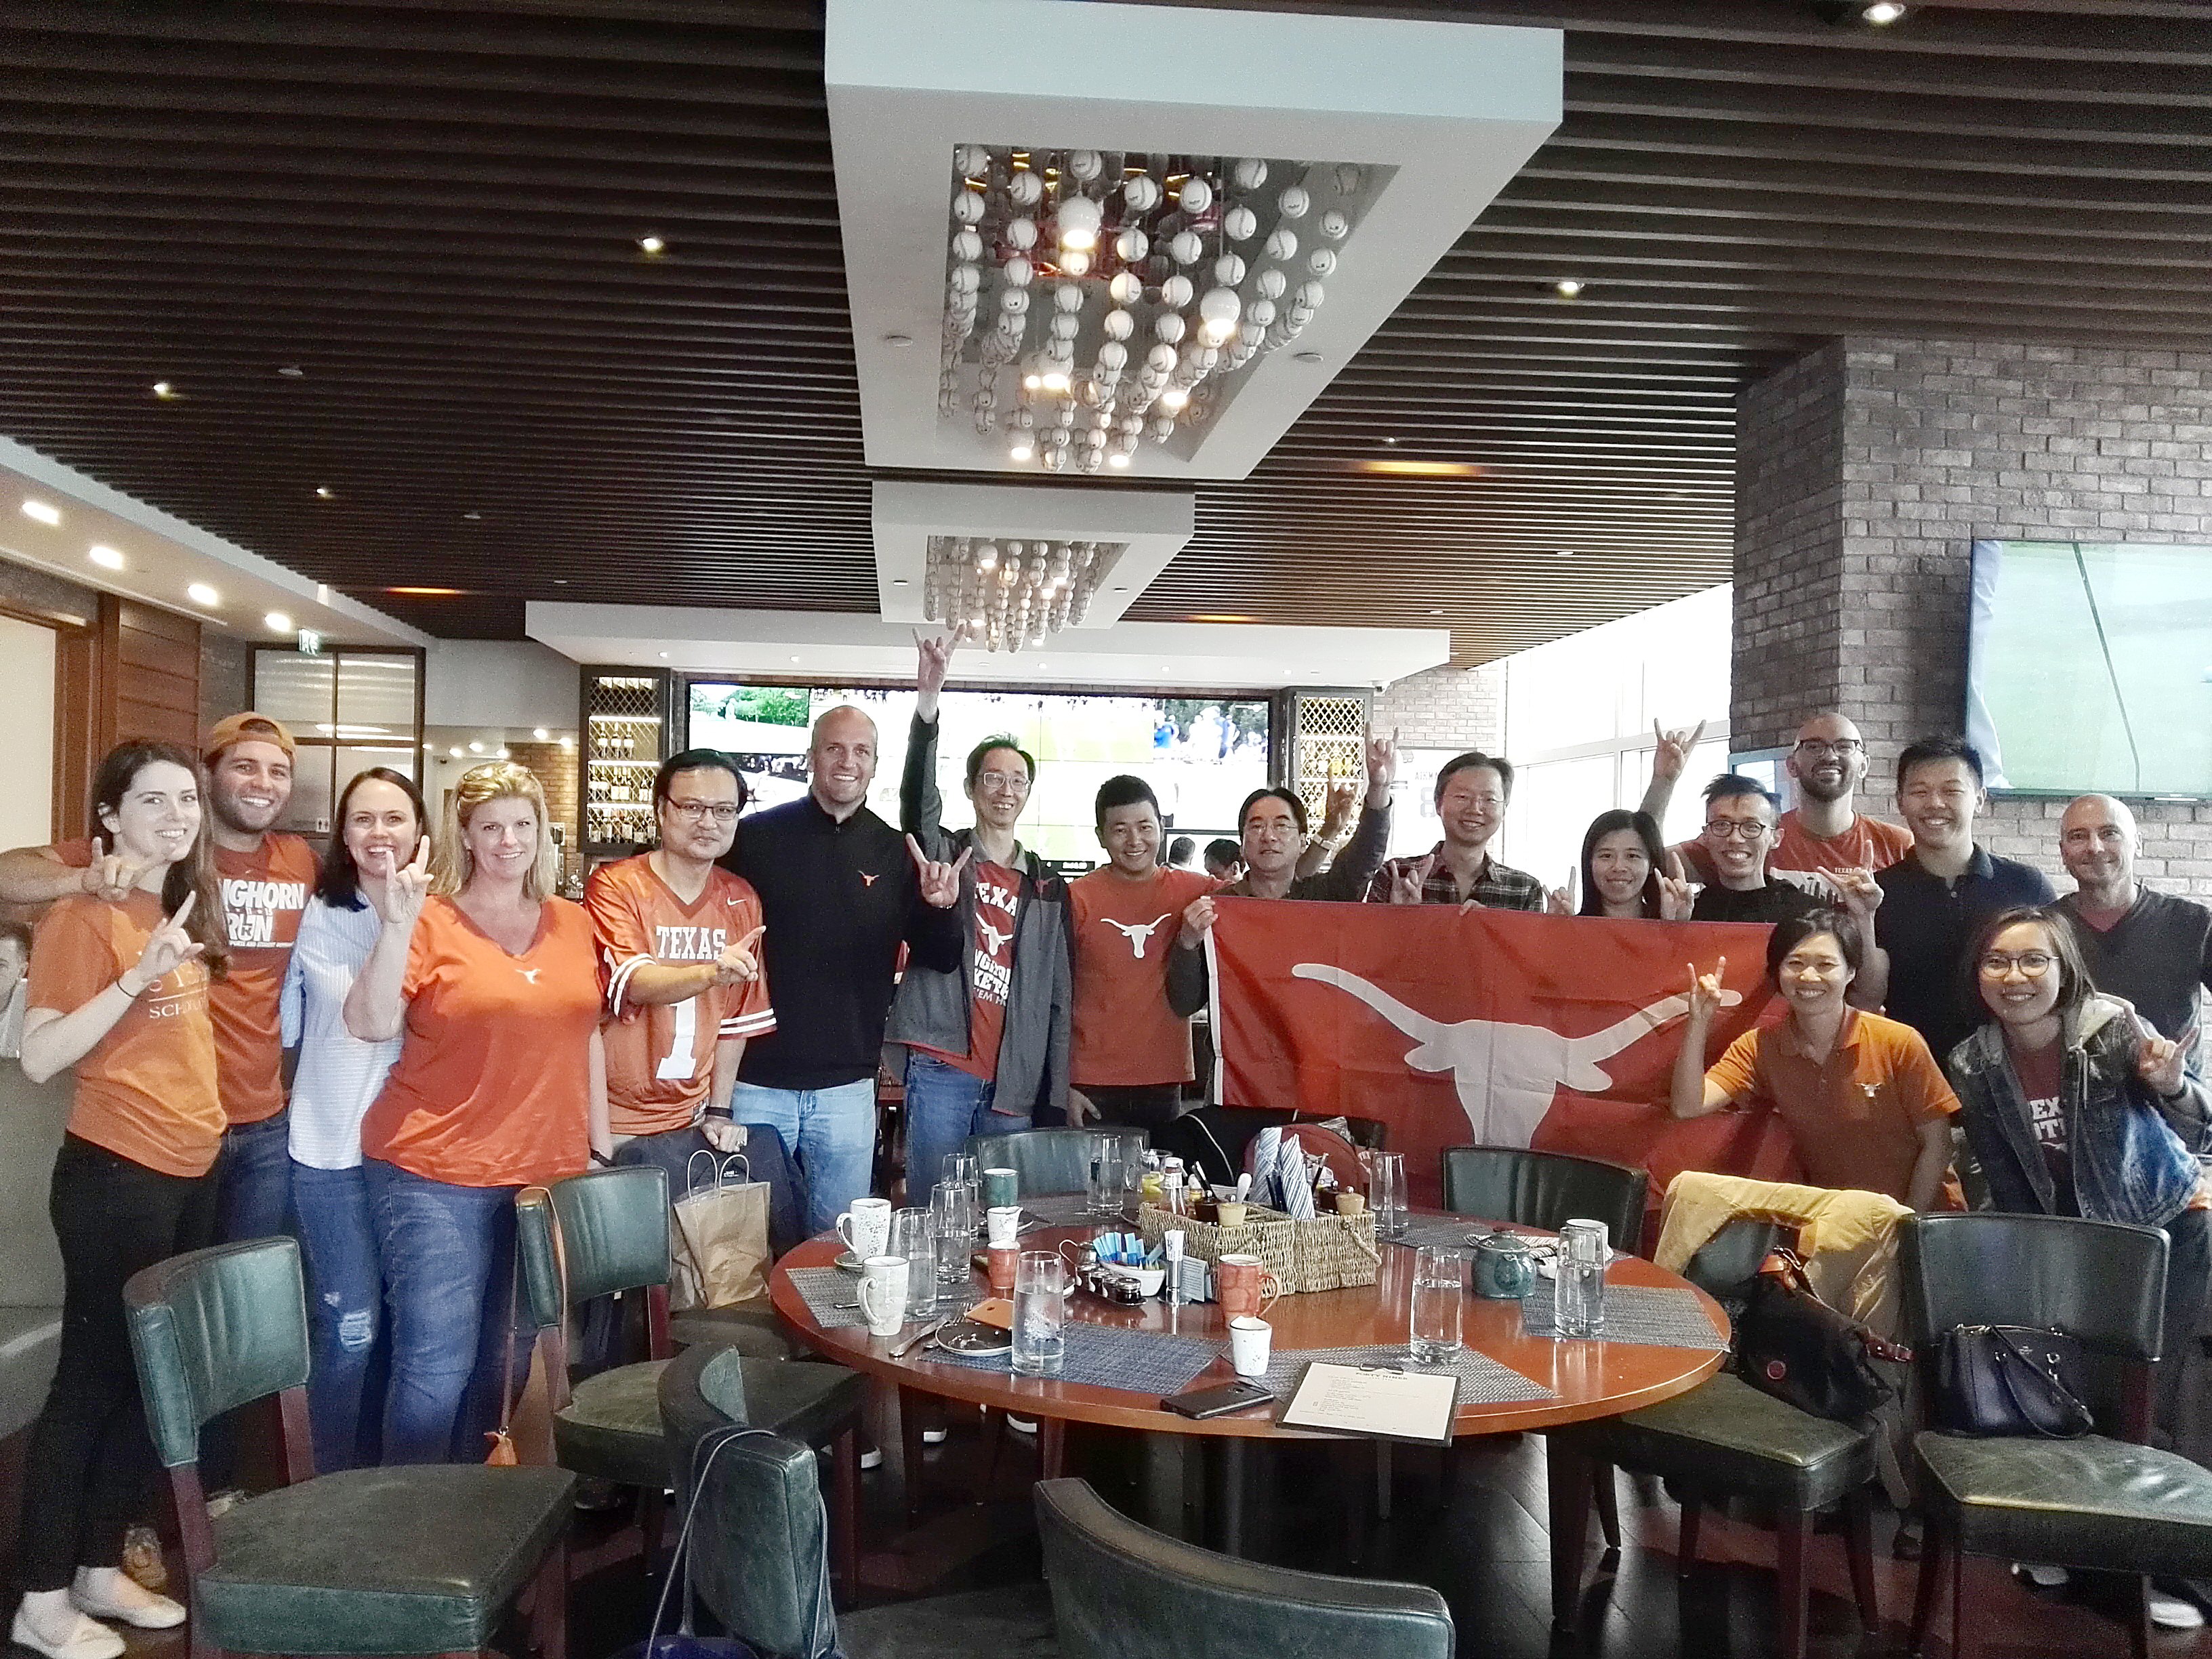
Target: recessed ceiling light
<point>663,656</point>
<point>1389,441</point>
<point>1309,357</point>
<point>542,734</point>
<point>472,517</point>
<point>105,558</point>
<point>291,372</point>
<point>568,742</point>
<point>201,593</point>
<point>44,512</point>
<point>898,339</point>
<point>164,390</point>
<point>325,493</point>
<point>429,593</point>
<point>1566,552</point>
<point>795,658</point>
<point>475,749</point>
<point>1122,588</point>
<point>499,754</point>
<point>1436,610</point>
<point>1882,12</point>
<point>560,581</point>
<point>278,622</point>
<point>1422,468</point>
<point>652,247</point>
<point>455,751</point>
<point>1568,288</point>
<point>1020,453</point>
<point>898,581</point>
<point>1117,459</point>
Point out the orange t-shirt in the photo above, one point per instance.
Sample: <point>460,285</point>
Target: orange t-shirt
<point>1125,1032</point>
<point>1869,844</point>
<point>990,970</point>
<point>1857,1117</point>
<point>146,1091</point>
<point>660,1056</point>
<point>491,1088</point>
<point>263,893</point>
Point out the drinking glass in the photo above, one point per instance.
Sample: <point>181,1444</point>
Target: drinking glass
<point>913,1237</point>
<point>963,1169</point>
<point>1579,1301</point>
<point>1386,1193</point>
<point>951,1216</point>
<point>1439,1279</point>
<point>1039,1314</point>
<point>1102,1176</point>
<point>1130,1150</point>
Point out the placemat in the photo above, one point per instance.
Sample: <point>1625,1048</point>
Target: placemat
<point>1452,1232</point>
<point>1482,1381</point>
<point>823,1289</point>
<point>1113,1357</point>
<point>1652,1315</point>
<point>1057,1210</point>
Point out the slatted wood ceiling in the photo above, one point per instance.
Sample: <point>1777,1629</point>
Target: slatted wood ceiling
<point>432,208</point>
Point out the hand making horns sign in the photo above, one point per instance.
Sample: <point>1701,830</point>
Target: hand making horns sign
<point>169,946</point>
<point>940,883</point>
<point>1706,990</point>
<point>405,887</point>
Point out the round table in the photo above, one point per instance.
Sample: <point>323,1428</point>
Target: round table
<point>1591,1379</point>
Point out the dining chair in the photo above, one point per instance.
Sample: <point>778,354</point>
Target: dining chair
<point>1543,1189</point>
<point>420,1560</point>
<point>1045,1162</point>
<point>2107,1502</point>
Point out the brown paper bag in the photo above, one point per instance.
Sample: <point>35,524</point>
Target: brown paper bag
<point>720,1238</point>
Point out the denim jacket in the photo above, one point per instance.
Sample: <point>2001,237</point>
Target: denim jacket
<point>2132,1153</point>
<point>931,1008</point>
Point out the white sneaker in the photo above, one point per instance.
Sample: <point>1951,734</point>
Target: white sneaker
<point>1021,1424</point>
<point>106,1593</point>
<point>2175,1613</point>
<point>2041,1576</point>
<point>73,1636</point>
<point>932,1437</point>
<point>873,1458</point>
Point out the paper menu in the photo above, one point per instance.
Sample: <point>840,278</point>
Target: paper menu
<point>1391,1404</point>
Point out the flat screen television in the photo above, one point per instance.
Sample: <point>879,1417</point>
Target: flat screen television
<point>2089,667</point>
<point>1201,756</point>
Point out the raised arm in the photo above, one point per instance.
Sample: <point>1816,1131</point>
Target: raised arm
<point>376,1006</point>
<point>1669,756</point>
<point>921,806</point>
<point>1695,1094</point>
<point>39,875</point>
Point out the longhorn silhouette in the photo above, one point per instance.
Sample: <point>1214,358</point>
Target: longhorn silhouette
<point>1139,935</point>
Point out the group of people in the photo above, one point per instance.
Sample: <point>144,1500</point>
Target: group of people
<point>378,1047</point>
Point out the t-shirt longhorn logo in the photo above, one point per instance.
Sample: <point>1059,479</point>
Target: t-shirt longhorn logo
<point>1505,1074</point>
<point>867,878</point>
<point>994,940</point>
<point>1139,934</point>
<point>529,974</point>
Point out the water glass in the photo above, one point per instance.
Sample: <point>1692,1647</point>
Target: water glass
<point>1039,1314</point>
<point>952,1218</point>
<point>1579,1301</point>
<point>1439,1279</point>
<point>1386,1193</point>
<point>913,1237</point>
<point>1102,1176</point>
<point>962,1170</point>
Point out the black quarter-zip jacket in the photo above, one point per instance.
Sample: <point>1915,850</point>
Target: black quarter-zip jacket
<point>837,899</point>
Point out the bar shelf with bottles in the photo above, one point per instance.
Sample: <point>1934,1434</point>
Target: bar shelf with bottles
<point>626,736</point>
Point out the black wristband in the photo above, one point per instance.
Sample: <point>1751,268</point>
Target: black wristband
<point>602,1159</point>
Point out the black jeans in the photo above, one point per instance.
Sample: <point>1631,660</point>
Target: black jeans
<point>84,1475</point>
<point>2188,1269</point>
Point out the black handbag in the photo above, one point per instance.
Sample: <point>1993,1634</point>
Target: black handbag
<point>1794,1347</point>
<point>2000,1380</point>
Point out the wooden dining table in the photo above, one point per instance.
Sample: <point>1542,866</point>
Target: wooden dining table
<point>1588,1379</point>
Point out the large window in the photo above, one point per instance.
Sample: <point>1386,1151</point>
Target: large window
<point>1201,756</point>
<point>1579,718</point>
<point>349,708</point>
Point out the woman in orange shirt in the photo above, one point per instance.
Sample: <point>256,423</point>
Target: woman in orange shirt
<point>500,1083</point>
<point>119,994</point>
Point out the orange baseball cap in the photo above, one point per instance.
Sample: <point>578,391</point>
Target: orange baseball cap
<point>247,727</point>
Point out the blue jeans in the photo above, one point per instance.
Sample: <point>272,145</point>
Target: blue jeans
<point>345,1300</point>
<point>448,1258</point>
<point>257,1179</point>
<point>832,1131</point>
<point>943,1106</point>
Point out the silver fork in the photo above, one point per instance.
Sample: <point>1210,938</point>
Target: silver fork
<point>928,1334</point>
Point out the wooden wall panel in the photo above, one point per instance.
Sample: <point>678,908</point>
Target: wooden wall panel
<point>149,683</point>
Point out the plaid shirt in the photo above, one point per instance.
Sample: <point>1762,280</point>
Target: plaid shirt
<point>1497,886</point>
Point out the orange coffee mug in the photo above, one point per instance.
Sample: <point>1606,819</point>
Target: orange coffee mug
<point>1003,1260</point>
<point>1244,1287</point>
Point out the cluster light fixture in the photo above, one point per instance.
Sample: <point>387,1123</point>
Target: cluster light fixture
<point>1012,594</point>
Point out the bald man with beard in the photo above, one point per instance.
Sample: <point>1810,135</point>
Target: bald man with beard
<point>2154,949</point>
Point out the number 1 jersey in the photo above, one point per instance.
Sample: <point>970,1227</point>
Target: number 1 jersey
<point>660,1056</point>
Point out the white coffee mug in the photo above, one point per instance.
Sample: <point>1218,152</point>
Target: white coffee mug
<point>1004,1225</point>
<point>1249,1341</point>
<point>866,1227</point>
<point>883,1294</point>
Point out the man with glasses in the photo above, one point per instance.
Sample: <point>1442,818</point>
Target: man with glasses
<point>1471,791</point>
<point>987,1040</point>
<point>1739,835</point>
<point>1823,832</point>
<point>678,939</point>
<point>2153,948</point>
<point>1932,904</point>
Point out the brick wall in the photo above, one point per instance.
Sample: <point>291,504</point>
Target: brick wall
<point>556,770</point>
<point>1446,707</point>
<point>1857,526</point>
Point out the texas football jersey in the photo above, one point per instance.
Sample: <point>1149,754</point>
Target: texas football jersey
<point>660,1056</point>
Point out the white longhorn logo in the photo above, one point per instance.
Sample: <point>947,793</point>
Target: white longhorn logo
<point>1506,1074</point>
<point>994,940</point>
<point>1140,935</point>
<point>529,974</point>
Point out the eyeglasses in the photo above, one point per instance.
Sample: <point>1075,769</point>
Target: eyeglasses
<point>2033,963</point>
<point>1842,749</point>
<point>698,812</point>
<point>1734,828</point>
<point>1013,783</point>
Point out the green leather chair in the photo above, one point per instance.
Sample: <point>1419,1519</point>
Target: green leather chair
<point>1123,1591</point>
<point>758,1514</point>
<point>2105,1502</point>
<point>1725,1440</point>
<point>410,1560</point>
<point>1047,1161</point>
<point>1542,1189</point>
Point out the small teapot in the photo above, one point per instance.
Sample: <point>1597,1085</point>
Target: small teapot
<point>1505,1270</point>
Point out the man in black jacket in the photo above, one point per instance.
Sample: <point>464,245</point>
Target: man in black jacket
<point>840,890</point>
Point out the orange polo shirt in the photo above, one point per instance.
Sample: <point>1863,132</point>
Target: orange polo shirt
<point>1857,1116</point>
<point>492,1087</point>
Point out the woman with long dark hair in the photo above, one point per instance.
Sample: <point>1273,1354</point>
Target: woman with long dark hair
<point>1625,871</point>
<point>119,996</point>
<point>381,826</point>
